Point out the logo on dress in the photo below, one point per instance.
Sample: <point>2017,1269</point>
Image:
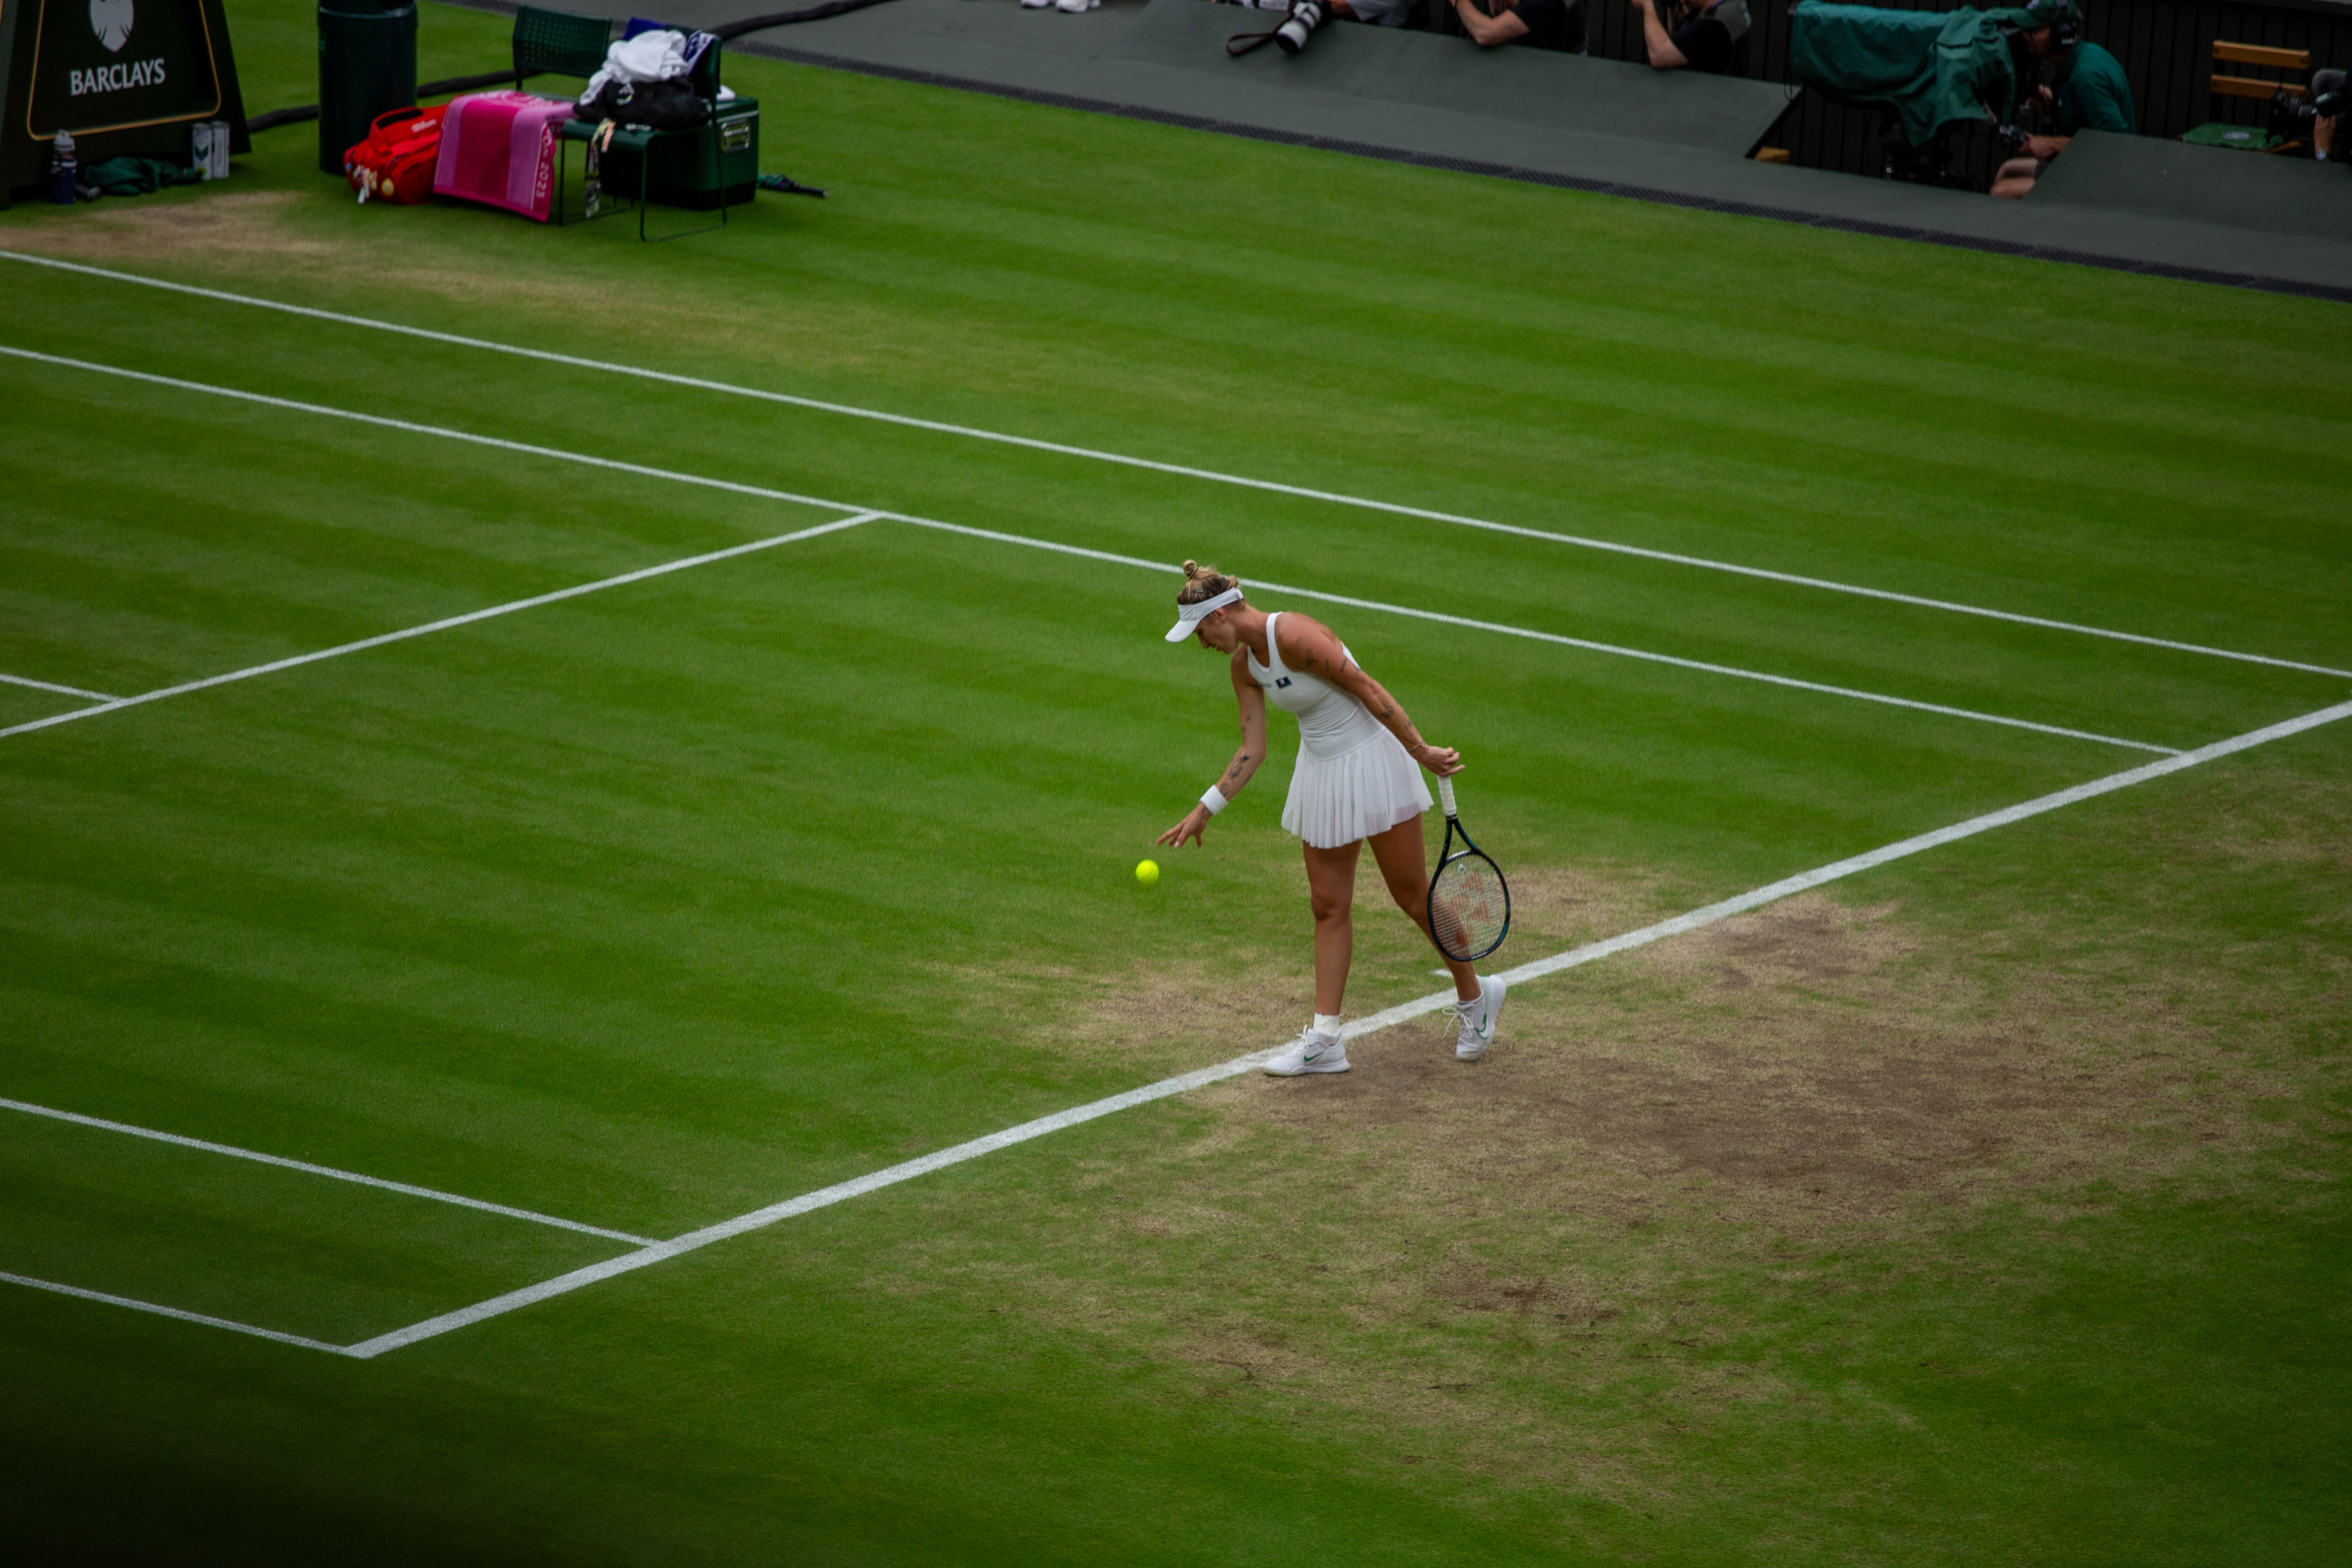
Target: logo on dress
<point>1282,680</point>
<point>110,20</point>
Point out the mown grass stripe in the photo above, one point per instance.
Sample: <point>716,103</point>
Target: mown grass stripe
<point>867,516</point>
<point>1303,492</point>
<point>563,1284</point>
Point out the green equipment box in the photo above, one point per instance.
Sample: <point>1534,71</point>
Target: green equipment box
<point>685,173</point>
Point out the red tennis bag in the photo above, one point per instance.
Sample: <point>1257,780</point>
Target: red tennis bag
<point>395,163</point>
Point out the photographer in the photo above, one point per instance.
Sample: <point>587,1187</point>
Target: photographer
<point>2313,120</point>
<point>1539,22</point>
<point>1696,35</point>
<point>2088,92</point>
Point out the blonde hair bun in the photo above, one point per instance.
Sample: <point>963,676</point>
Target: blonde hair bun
<point>1203,583</point>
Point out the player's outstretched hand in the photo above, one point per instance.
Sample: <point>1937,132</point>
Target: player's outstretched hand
<point>1194,821</point>
<point>1443,761</point>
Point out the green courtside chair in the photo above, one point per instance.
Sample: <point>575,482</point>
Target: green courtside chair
<point>715,163</point>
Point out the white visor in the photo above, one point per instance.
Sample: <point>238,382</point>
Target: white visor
<point>1188,616</point>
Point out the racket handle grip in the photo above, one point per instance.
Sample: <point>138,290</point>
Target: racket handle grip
<point>1445,797</point>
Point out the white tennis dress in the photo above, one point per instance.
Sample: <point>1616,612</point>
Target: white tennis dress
<point>1354,778</point>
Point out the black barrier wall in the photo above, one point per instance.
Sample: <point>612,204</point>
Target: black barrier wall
<point>2166,47</point>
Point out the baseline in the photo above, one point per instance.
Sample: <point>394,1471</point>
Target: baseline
<point>407,426</point>
<point>234,1152</point>
<point>1184,470</point>
<point>1403,1011</point>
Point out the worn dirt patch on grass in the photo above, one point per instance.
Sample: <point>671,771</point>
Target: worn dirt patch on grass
<point>1176,1013</point>
<point>233,224</point>
<point>1509,1259</point>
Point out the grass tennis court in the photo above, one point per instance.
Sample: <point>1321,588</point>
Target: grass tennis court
<point>1986,1204</point>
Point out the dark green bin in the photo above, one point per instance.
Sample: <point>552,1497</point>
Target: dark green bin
<point>367,66</point>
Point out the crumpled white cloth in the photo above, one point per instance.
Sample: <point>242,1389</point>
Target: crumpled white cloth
<point>655,56</point>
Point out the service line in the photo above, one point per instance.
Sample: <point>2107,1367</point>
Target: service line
<point>1091,453</point>
<point>557,455</point>
<point>468,618</point>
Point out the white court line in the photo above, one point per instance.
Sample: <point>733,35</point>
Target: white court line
<point>52,686</point>
<point>410,427</point>
<point>210,1322</point>
<point>327,412</point>
<point>1583,643</point>
<point>936,427</point>
<point>328,1171</point>
<point>440,625</point>
<point>1387,1018</point>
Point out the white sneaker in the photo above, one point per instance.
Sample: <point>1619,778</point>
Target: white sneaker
<point>1036,5</point>
<point>1076,6</point>
<point>1311,1052</point>
<point>1478,1019</point>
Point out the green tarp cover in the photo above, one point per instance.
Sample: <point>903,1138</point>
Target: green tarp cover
<point>1936,69</point>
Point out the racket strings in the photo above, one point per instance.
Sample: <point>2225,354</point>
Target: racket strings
<point>1468,908</point>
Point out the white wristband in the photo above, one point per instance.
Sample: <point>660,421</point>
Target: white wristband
<point>1214,799</point>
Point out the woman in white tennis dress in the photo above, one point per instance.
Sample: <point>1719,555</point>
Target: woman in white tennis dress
<point>1356,783</point>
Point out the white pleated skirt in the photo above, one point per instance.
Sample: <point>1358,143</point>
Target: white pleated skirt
<point>1369,789</point>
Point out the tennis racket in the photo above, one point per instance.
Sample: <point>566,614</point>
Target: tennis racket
<point>1469,902</point>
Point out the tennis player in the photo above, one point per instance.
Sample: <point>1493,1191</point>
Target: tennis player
<point>1355,785</point>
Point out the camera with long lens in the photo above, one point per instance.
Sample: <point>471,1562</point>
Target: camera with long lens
<point>2292,118</point>
<point>1305,15</point>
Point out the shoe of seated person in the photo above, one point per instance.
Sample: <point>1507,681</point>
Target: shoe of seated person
<point>1076,6</point>
<point>1036,5</point>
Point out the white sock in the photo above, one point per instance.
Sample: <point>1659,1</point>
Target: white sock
<point>1327,1025</point>
<point>1462,1006</point>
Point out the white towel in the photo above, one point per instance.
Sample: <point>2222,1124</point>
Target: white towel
<point>655,56</point>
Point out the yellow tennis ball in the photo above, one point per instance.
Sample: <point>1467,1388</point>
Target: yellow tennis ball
<point>1147,872</point>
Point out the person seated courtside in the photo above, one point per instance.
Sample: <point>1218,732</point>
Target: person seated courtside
<point>1539,22</point>
<point>1380,13</point>
<point>2088,93</point>
<point>2312,124</point>
<point>1694,35</point>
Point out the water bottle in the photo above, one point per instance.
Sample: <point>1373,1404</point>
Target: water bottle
<point>63,171</point>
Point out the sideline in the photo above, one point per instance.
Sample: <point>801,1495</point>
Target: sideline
<point>305,1166</point>
<point>557,455</point>
<point>700,383</point>
<point>53,686</point>
<point>231,1324</point>
<point>1583,643</point>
